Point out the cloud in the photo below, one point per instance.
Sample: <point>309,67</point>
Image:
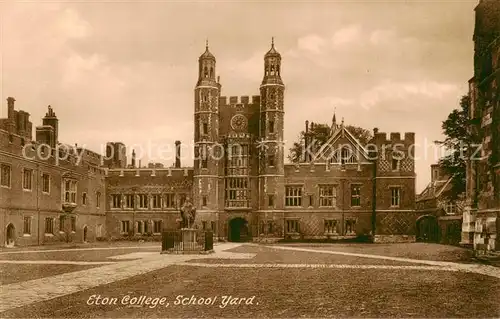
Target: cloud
<point>346,35</point>
<point>311,43</point>
<point>389,90</point>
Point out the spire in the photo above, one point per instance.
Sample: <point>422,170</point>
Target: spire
<point>207,54</point>
<point>206,45</point>
<point>272,51</point>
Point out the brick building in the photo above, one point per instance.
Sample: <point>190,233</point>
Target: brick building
<point>239,182</point>
<point>47,193</point>
<point>440,216</point>
<point>481,220</point>
<point>242,188</point>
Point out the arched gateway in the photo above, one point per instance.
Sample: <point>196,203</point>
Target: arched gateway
<point>427,229</point>
<point>238,230</point>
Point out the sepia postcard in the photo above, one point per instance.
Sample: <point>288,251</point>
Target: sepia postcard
<point>249,159</point>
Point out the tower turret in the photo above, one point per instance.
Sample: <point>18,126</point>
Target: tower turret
<point>206,134</point>
<point>271,157</point>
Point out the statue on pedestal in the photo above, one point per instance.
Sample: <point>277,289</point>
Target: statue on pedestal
<point>188,214</point>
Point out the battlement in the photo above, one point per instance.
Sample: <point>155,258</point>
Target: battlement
<point>171,172</point>
<point>239,100</point>
<point>380,138</point>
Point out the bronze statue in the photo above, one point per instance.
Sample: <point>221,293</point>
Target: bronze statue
<point>188,214</point>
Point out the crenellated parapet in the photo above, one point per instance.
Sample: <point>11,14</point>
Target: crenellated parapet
<point>242,101</point>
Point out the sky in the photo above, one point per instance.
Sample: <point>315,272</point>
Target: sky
<point>126,70</point>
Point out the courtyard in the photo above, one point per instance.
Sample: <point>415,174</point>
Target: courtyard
<point>124,280</point>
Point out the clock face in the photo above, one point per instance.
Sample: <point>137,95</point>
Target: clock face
<point>239,122</point>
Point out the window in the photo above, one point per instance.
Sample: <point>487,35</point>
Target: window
<point>292,226</point>
<point>98,231</point>
<point>350,227</point>
<point>129,201</point>
<point>125,226</point>
<point>212,225</point>
<point>204,163</point>
<point>98,199</point>
<point>73,224</point>
<point>395,196</point>
<point>327,195</point>
<point>237,193</point>
<point>27,178</point>
<point>157,227</point>
<point>45,183</point>
<point>450,208</point>
<point>27,225</point>
<point>116,201</point>
<point>156,200</point>
<point>169,200</point>
<point>204,201</point>
<point>61,223</point>
<point>5,173</point>
<point>143,201</point>
<point>271,126</point>
<point>205,128</point>
<point>395,164</point>
<point>49,225</point>
<point>311,200</point>
<point>270,200</point>
<point>70,191</point>
<point>347,156</point>
<point>355,195</point>
<point>331,227</point>
<point>271,160</point>
<point>146,226</point>
<point>293,196</point>
<point>204,225</point>
<point>139,227</point>
<point>84,199</point>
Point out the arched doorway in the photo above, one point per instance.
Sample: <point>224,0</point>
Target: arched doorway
<point>238,230</point>
<point>427,229</point>
<point>85,234</point>
<point>11,236</point>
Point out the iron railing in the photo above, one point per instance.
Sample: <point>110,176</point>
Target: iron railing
<point>172,241</point>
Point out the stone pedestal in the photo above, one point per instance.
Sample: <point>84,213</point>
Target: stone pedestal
<point>188,235</point>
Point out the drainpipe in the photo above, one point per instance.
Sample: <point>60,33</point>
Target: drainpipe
<point>38,199</point>
<point>374,199</point>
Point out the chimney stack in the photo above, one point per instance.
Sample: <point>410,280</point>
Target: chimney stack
<point>177,154</point>
<point>10,108</point>
<point>133,158</point>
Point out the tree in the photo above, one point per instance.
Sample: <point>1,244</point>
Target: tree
<point>458,142</point>
<point>320,133</point>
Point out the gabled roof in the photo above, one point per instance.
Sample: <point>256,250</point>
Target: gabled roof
<point>434,189</point>
<point>340,131</point>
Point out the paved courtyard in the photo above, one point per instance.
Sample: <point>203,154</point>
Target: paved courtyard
<point>247,280</point>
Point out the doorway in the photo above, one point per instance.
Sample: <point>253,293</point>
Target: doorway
<point>11,236</point>
<point>427,229</point>
<point>238,230</point>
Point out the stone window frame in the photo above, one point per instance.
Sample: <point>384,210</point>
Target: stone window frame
<point>72,191</point>
<point>270,200</point>
<point>122,228</point>
<point>84,199</point>
<point>295,223</point>
<point>204,201</point>
<point>143,201</point>
<point>327,199</point>
<point>7,168</point>
<point>293,198</point>
<point>355,196</point>
<point>27,188</point>
<point>398,198</point>
<point>129,199</point>
<point>49,226</point>
<point>62,223</point>
<point>116,198</point>
<point>331,224</point>
<point>27,221</point>
<point>170,201</point>
<point>353,225</point>
<point>156,201</point>
<point>157,225</point>
<point>98,199</point>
